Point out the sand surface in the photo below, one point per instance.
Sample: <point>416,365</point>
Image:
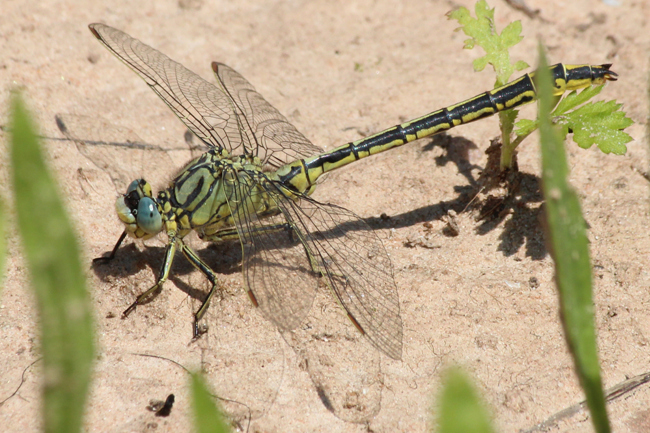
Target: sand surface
<point>339,71</point>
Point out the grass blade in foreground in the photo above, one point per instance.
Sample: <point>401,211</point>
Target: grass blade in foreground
<point>567,241</point>
<point>461,410</point>
<point>52,257</point>
<point>207,418</point>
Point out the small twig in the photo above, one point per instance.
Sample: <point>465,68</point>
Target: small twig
<point>527,10</point>
<point>612,394</point>
<point>22,380</point>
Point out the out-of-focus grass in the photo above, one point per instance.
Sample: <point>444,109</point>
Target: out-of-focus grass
<point>207,418</point>
<point>52,255</point>
<point>460,409</point>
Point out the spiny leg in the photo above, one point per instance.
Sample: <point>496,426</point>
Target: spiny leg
<point>211,276</point>
<point>162,277</point>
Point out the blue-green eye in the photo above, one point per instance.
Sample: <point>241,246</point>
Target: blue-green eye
<point>133,186</point>
<point>148,217</point>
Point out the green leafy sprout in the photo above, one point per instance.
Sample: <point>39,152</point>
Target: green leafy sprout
<point>599,123</point>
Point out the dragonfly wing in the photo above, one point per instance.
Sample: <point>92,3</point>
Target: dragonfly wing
<point>318,240</point>
<point>283,261</point>
<point>203,107</point>
<point>277,271</point>
<point>279,141</point>
<point>357,269</point>
<point>343,365</point>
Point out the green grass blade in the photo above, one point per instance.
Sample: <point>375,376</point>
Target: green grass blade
<point>461,410</point>
<point>567,241</point>
<point>52,257</point>
<point>207,418</point>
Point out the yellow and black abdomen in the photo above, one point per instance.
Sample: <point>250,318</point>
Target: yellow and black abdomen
<point>303,174</point>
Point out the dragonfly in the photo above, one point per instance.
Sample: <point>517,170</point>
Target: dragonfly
<point>254,184</point>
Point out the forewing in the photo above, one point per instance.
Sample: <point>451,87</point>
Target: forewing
<point>279,141</point>
<point>203,107</point>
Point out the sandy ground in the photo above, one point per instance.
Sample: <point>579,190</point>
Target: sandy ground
<point>341,70</point>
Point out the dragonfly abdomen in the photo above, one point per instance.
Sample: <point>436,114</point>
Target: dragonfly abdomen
<point>513,94</point>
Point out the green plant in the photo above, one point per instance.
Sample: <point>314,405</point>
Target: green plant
<point>460,408</point>
<point>598,123</point>
<point>64,308</point>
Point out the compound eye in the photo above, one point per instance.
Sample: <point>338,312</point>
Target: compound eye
<point>148,217</point>
<point>133,186</point>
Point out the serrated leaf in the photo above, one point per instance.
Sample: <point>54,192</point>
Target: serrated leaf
<point>482,10</point>
<point>483,33</point>
<point>599,123</point>
<point>461,14</point>
<point>511,35</point>
<point>525,126</point>
<point>574,99</point>
<point>479,64</point>
<point>521,65</point>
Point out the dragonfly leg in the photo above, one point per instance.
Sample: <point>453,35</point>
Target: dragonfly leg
<point>162,277</point>
<point>212,277</point>
<point>111,256</point>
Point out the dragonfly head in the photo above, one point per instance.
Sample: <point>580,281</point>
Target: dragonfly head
<point>139,210</point>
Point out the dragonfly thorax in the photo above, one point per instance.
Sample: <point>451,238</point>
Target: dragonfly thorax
<point>201,196</point>
<point>139,210</point>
